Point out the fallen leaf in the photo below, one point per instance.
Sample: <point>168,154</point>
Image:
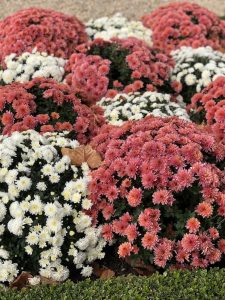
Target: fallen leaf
<point>107,274</point>
<point>21,281</point>
<point>97,270</point>
<point>140,267</point>
<point>83,154</point>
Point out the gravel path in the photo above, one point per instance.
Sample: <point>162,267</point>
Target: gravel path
<point>97,8</point>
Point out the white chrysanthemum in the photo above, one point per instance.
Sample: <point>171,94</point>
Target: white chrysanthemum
<point>36,206</point>
<point>23,183</point>
<point>32,238</point>
<point>28,250</point>
<point>47,170</point>
<point>60,167</point>
<point>15,210</point>
<point>118,26</point>
<point>8,271</point>
<point>41,186</point>
<point>50,209</point>
<point>2,211</point>
<point>54,224</point>
<point>2,229</point>
<point>4,254</point>
<point>86,204</point>
<point>54,178</point>
<point>15,226</point>
<point>76,197</point>
<point>11,176</point>
<point>196,68</point>
<point>87,271</point>
<point>30,65</point>
<point>82,221</point>
<point>135,106</point>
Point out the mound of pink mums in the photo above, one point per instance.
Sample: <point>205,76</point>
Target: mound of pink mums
<point>47,30</point>
<point>209,107</point>
<point>158,195</point>
<point>185,24</point>
<point>104,68</point>
<point>46,105</point>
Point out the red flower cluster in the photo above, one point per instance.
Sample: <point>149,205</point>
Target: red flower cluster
<point>185,24</point>
<point>103,68</point>
<point>155,184</point>
<point>46,105</point>
<point>209,107</point>
<point>50,31</point>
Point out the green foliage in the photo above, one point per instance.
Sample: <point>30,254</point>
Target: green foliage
<point>119,69</point>
<point>176,285</point>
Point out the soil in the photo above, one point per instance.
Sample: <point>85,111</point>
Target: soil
<point>85,10</point>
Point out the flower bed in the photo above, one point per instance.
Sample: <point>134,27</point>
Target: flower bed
<point>43,227</point>
<point>104,68</point>
<point>135,106</point>
<point>115,103</point>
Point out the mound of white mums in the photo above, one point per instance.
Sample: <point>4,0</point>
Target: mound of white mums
<point>31,65</point>
<point>43,226</point>
<point>135,106</point>
<point>117,26</point>
<point>196,68</point>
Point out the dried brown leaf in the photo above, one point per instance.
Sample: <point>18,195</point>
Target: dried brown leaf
<point>21,281</point>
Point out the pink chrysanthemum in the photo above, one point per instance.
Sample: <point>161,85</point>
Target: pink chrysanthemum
<point>193,225</point>
<point>125,249</point>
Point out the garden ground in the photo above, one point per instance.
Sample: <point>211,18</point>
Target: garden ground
<point>133,9</point>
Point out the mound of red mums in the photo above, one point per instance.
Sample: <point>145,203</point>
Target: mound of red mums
<point>208,107</point>
<point>160,192</point>
<point>46,105</point>
<point>104,68</point>
<point>47,30</point>
<point>185,24</point>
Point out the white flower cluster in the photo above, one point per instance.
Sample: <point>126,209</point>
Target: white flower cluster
<point>196,68</point>
<point>31,65</point>
<point>135,106</point>
<point>42,203</point>
<point>117,26</point>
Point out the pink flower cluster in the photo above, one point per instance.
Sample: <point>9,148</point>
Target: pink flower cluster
<point>155,171</point>
<point>209,107</point>
<point>89,76</point>
<point>47,30</point>
<point>185,24</point>
<point>93,76</point>
<point>46,105</point>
